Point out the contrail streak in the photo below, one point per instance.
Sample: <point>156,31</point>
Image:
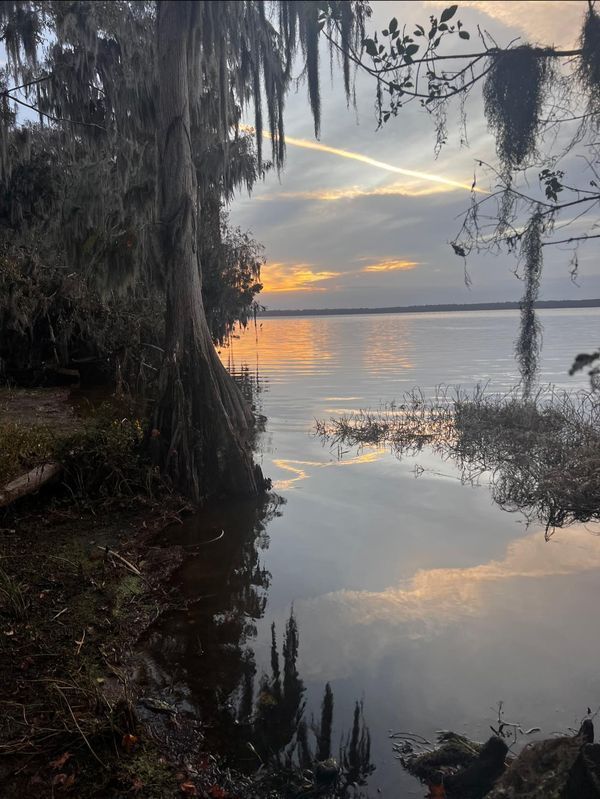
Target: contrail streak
<point>365,159</point>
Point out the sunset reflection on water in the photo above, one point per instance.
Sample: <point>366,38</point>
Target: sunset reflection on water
<point>310,344</point>
<point>421,596</point>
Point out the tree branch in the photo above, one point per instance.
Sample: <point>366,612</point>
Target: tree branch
<point>572,239</point>
<point>25,85</point>
<point>53,118</point>
<point>406,92</point>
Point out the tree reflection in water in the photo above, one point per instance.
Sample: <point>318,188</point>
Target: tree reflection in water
<point>281,735</point>
<point>198,659</point>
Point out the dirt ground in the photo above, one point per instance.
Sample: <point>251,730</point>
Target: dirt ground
<point>71,612</point>
<point>52,406</point>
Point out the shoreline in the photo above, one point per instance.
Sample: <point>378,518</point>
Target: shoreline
<point>433,308</point>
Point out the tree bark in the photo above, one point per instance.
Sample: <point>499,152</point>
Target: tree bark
<point>201,420</point>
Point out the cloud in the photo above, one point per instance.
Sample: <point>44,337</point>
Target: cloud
<point>357,192</point>
<point>390,265</point>
<point>365,159</point>
<point>436,597</point>
<point>280,277</point>
<point>544,22</point>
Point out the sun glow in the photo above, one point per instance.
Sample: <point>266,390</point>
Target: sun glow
<point>390,265</point>
<point>354,192</point>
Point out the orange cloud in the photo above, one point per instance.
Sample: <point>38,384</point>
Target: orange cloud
<point>280,277</point>
<point>390,265</point>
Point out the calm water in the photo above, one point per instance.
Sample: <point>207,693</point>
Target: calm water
<point>414,594</point>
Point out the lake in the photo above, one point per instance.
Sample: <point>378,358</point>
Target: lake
<point>413,592</point>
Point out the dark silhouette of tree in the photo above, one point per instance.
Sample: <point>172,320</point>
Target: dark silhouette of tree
<point>60,306</point>
<point>166,84</point>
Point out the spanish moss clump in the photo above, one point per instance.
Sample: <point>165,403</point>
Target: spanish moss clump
<point>528,343</point>
<point>589,64</point>
<point>513,95</point>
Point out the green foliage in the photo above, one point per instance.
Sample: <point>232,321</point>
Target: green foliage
<point>57,306</point>
<point>394,52</point>
<point>85,187</point>
<point>106,459</point>
<point>52,318</point>
<point>22,447</point>
<point>103,458</point>
<point>231,263</point>
<point>513,95</point>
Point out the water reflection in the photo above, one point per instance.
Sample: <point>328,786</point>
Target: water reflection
<point>422,596</point>
<point>300,472</point>
<point>389,346</point>
<point>433,599</point>
<point>199,659</point>
<point>200,651</point>
<point>280,733</point>
<point>293,343</point>
<point>539,457</point>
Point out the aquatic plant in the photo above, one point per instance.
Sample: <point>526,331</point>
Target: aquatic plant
<point>541,455</point>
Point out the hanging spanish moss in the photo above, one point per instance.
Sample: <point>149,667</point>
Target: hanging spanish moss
<point>528,344</point>
<point>513,94</point>
<point>148,98</point>
<point>589,63</point>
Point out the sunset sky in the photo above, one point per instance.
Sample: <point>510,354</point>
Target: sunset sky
<point>363,217</point>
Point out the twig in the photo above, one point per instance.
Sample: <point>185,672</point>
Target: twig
<point>60,613</point>
<point>80,643</point>
<point>130,566</point>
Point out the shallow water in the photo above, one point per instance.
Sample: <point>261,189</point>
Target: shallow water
<point>413,592</point>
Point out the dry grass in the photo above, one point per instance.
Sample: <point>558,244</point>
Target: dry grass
<point>541,456</point>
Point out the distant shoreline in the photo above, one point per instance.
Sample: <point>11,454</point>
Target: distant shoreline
<point>438,308</point>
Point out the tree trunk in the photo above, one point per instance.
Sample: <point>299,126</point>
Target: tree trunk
<point>201,419</point>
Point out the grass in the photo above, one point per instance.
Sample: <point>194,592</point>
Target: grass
<point>103,455</point>
<point>13,597</point>
<point>22,447</point>
<point>541,456</point>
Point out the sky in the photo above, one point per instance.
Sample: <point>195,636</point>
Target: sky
<point>362,217</point>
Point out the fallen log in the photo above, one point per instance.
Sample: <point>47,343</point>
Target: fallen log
<point>29,483</point>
